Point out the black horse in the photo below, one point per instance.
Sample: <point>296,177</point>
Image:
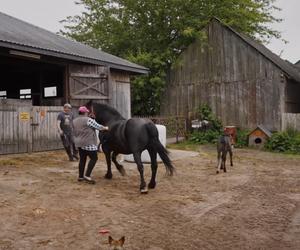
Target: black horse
<point>131,136</point>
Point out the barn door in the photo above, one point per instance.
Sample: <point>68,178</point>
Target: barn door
<point>44,131</point>
<point>88,82</point>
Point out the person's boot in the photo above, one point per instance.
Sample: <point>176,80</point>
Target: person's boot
<point>70,155</point>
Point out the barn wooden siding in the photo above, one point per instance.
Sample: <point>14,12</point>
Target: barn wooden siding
<point>100,84</point>
<point>290,121</point>
<point>242,87</point>
<point>26,128</point>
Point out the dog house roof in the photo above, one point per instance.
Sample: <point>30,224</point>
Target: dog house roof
<point>263,129</point>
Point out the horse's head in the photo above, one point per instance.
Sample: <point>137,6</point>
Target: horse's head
<point>103,113</point>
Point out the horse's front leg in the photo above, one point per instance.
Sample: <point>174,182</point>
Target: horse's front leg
<point>108,174</point>
<point>117,164</point>
<point>138,161</point>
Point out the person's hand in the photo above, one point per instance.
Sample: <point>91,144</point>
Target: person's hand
<point>61,133</point>
<point>106,128</point>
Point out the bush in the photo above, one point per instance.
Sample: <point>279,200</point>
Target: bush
<point>209,136</point>
<point>204,112</point>
<point>241,138</point>
<point>287,141</point>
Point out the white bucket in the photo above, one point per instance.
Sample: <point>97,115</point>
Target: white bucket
<point>162,134</point>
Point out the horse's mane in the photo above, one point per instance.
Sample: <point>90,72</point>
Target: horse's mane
<point>106,107</point>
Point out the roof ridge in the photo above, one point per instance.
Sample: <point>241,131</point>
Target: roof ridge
<point>293,72</point>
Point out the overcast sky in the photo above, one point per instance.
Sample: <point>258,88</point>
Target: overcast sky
<point>48,13</point>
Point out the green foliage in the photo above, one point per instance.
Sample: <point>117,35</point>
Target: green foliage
<point>209,136</point>
<point>287,141</point>
<point>204,112</point>
<point>242,138</point>
<point>153,33</point>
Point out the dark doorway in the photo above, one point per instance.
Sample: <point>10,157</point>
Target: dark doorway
<point>41,82</point>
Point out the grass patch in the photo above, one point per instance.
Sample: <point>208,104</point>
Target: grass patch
<point>185,145</point>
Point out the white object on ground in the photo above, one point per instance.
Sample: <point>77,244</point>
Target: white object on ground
<point>162,134</point>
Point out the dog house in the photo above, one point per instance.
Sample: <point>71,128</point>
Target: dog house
<point>258,136</point>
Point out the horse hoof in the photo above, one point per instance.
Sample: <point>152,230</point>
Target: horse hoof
<point>217,172</point>
<point>151,185</point>
<point>108,176</point>
<point>144,191</point>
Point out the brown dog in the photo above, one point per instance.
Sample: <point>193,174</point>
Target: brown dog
<point>116,244</point>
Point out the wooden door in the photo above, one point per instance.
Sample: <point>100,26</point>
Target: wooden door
<point>44,130</point>
<point>88,83</point>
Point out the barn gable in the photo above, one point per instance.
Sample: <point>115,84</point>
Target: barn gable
<point>243,82</point>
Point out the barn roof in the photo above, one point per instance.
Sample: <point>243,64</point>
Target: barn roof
<point>19,35</point>
<point>286,67</point>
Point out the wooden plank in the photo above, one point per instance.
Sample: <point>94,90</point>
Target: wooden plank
<point>88,97</point>
<point>82,75</point>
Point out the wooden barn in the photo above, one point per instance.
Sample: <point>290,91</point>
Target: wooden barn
<point>243,82</point>
<point>40,71</point>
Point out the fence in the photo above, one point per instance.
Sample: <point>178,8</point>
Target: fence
<point>176,125</point>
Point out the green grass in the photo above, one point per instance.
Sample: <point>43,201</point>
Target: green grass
<point>187,145</point>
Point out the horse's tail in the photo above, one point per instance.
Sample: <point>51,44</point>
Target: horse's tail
<point>161,150</point>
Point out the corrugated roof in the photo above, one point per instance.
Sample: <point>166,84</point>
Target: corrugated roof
<point>17,34</point>
<point>290,70</point>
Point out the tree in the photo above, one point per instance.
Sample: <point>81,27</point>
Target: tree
<point>153,33</point>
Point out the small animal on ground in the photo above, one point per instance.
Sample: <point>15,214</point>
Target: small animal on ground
<point>223,147</point>
<point>116,244</point>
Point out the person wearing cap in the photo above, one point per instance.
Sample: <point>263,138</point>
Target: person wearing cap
<point>86,141</point>
<point>65,130</point>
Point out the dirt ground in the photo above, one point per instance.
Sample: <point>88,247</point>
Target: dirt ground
<point>255,205</point>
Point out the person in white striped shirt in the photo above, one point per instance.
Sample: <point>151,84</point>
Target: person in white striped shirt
<point>85,139</point>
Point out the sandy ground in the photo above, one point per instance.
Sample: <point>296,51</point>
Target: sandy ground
<point>255,205</point>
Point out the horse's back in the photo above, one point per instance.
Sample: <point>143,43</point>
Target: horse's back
<point>139,132</point>
<point>127,136</point>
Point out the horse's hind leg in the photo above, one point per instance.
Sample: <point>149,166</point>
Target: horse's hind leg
<point>117,164</point>
<point>153,156</point>
<point>230,154</point>
<point>108,174</point>
<point>138,161</point>
<point>224,162</point>
<point>219,162</point>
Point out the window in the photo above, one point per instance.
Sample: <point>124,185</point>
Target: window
<point>25,93</point>
<point>3,94</point>
<point>50,91</point>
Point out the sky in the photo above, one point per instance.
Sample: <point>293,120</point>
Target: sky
<point>47,14</point>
